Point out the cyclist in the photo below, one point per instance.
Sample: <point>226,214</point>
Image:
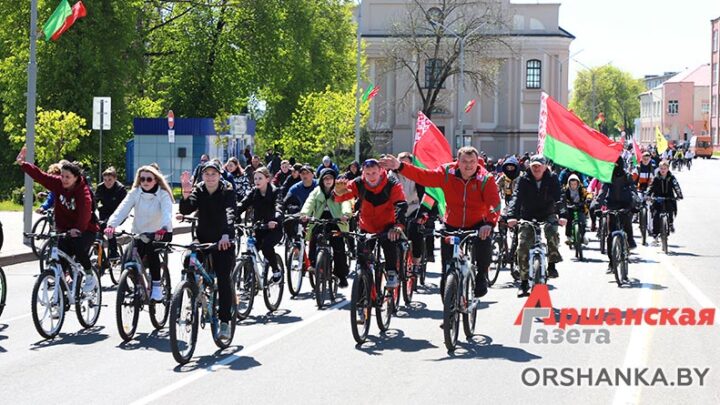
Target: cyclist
<point>152,200</point>
<point>537,197</point>
<point>267,208</point>
<point>665,184</point>
<point>473,202</point>
<point>291,180</point>
<point>321,204</point>
<point>594,191</point>
<point>353,170</point>
<point>296,196</point>
<point>413,195</point>
<point>575,194</point>
<point>644,173</point>
<point>618,194</point>
<point>109,194</point>
<point>382,209</point>
<point>214,201</point>
<point>73,211</point>
<point>327,163</point>
<point>237,175</point>
<point>282,174</point>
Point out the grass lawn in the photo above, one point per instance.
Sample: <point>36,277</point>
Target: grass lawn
<point>9,205</point>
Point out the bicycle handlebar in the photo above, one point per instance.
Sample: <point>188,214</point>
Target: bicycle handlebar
<point>49,235</point>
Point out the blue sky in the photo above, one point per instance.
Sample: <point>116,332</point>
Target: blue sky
<point>639,36</point>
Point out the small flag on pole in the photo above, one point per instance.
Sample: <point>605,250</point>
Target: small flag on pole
<point>62,19</point>
<point>469,106</point>
<point>370,92</point>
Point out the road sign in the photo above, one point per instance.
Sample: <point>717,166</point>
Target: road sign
<point>101,113</point>
<point>171,135</point>
<point>171,119</point>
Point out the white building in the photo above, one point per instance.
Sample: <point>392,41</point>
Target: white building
<point>500,123</point>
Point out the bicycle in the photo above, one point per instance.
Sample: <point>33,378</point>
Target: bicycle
<point>459,297</point>
<point>254,274</point>
<point>43,226</point>
<point>537,255</point>
<point>664,221</point>
<point>369,288</point>
<point>100,259</point>
<point>296,260</point>
<point>134,287</point>
<point>195,302</point>
<point>643,218</point>
<point>577,232</point>
<point>326,283</point>
<point>55,291</point>
<point>619,250</point>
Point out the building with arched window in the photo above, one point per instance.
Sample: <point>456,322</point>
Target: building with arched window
<point>503,120</point>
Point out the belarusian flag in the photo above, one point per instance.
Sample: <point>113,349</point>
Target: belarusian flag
<point>638,153</point>
<point>469,106</point>
<point>370,92</point>
<point>569,142</point>
<point>431,150</point>
<point>62,19</point>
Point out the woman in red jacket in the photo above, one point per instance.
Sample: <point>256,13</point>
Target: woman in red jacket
<point>73,211</point>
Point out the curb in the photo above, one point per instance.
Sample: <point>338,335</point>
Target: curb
<point>18,258</point>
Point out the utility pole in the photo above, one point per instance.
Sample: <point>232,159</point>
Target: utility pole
<point>358,90</point>
<point>30,118</point>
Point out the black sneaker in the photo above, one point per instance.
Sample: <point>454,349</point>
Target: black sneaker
<point>343,282</point>
<point>552,271</point>
<point>524,289</point>
<point>481,287</point>
<point>609,269</point>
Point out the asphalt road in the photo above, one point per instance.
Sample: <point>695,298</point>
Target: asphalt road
<point>302,355</point>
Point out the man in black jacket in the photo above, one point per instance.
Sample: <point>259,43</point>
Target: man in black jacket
<point>537,196</point>
<point>617,195</point>
<point>108,196</point>
<point>214,200</point>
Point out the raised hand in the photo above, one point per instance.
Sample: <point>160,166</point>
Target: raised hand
<point>20,159</point>
<point>390,162</point>
<point>186,184</point>
<point>341,186</point>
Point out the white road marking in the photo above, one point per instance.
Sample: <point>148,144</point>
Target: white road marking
<point>7,321</point>
<point>195,375</point>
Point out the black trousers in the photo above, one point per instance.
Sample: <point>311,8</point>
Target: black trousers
<point>340,266</point>
<point>78,248</point>
<point>150,256</point>
<point>223,262</point>
<point>266,240</point>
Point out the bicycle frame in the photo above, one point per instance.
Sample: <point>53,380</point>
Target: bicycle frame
<point>54,262</point>
<point>538,249</point>
<point>255,256</point>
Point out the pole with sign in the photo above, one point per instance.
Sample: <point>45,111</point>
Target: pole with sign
<point>171,141</point>
<point>101,121</point>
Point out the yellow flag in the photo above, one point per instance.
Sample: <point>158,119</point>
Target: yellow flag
<point>660,141</point>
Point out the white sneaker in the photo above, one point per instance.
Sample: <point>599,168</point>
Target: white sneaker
<point>392,279</point>
<point>157,293</point>
<point>90,283</point>
<point>586,241</point>
<point>656,242</point>
<point>224,331</point>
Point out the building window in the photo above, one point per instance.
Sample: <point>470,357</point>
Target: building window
<point>705,107</point>
<point>433,69</point>
<point>672,107</point>
<point>534,72</point>
<point>715,40</point>
<point>714,73</point>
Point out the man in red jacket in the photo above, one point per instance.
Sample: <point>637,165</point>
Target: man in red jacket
<point>472,198</point>
<point>382,208</point>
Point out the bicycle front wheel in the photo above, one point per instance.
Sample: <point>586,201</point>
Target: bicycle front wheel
<point>578,241</point>
<point>410,279</point>
<point>273,291</point>
<point>183,322</point>
<point>115,266</point>
<point>244,288</point>
<point>496,261</point>
<point>294,265</point>
<point>617,258</point>
<point>220,342</point>
<point>159,311</point>
<point>643,225</point>
<point>3,290</point>
<point>322,277</point>
<point>88,303</point>
<point>360,307</point>
<point>385,299</point>
<point>41,226</point>
<point>451,312</point>
<point>665,232</point>
<point>470,314</point>
<point>127,305</point>
<point>48,305</point>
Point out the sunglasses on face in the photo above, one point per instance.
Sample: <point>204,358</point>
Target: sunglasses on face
<point>144,179</point>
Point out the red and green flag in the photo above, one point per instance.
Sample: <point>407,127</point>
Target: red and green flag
<point>370,92</point>
<point>62,19</point>
<point>569,142</point>
<point>430,151</point>
<point>469,106</point>
<point>637,156</point>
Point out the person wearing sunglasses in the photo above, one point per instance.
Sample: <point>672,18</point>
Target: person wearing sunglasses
<point>152,199</point>
<point>473,202</point>
<point>382,209</point>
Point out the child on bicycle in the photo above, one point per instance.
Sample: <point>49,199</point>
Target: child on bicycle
<point>152,199</point>
<point>575,195</point>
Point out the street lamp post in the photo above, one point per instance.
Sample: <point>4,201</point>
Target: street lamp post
<point>358,91</point>
<point>434,13</point>
<point>30,118</point>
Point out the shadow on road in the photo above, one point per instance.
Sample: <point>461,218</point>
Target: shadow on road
<point>204,362</point>
<point>279,317</point>
<point>393,339</point>
<point>482,347</point>
<point>3,326</point>
<point>418,310</point>
<point>156,340</point>
<point>83,337</point>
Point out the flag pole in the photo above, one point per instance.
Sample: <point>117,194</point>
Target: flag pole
<point>30,119</point>
<point>358,90</point>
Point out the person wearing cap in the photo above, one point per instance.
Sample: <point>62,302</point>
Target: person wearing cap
<point>321,204</point>
<point>538,196</point>
<point>665,185</point>
<point>473,203</point>
<point>108,196</point>
<point>151,200</point>
<point>644,173</point>
<point>327,163</point>
<point>382,210</point>
<point>214,200</point>
<point>617,195</point>
<point>575,195</point>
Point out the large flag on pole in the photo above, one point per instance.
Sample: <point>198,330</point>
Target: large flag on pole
<point>431,150</point>
<point>569,142</point>
<point>62,19</point>
<point>660,141</point>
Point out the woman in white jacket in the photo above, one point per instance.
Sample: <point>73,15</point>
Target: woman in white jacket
<point>152,199</point>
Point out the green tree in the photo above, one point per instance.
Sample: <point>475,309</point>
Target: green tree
<point>57,136</point>
<point>323,123</point>
<point>616,95</point>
